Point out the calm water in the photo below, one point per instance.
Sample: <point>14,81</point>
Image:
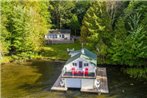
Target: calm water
<point>34,80</point>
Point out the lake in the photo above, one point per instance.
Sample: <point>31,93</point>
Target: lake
<point>33,79</point>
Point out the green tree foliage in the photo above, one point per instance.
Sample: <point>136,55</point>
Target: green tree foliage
<point>5,34</point>
<point>74,24</point>
<point>129,46</point>
<point>137,72</point>
<point>119,37</point>
<point>132,50</point>
<point>80,9</point>
<point>27,22</point>
<point>61,13</point>
<point>130,35</point>
<point>96,28</point>
<point>64,12</point>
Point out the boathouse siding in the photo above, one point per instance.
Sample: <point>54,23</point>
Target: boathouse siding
<point>79,83</point>
<point>85,64</point>
<point>87,83</point>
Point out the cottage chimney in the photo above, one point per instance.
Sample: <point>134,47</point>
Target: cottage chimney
<point>82,51</point>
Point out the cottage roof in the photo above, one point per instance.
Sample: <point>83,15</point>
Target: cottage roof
<point>56,31</point>
<point>86,54</point>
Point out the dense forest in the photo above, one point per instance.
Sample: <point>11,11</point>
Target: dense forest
<point>115,30</point>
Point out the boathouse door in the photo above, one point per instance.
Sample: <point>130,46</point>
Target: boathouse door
<point>73,83</point>
<point>80,64</point>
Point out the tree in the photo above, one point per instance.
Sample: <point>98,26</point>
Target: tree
<point>75,24</point>
<point>96,29</point>
<point>5,34</point>
<point>61,13</point>
<point>129,30</point>
<point>80,9</point>
<point>27,22</point>
<point>129,43</point>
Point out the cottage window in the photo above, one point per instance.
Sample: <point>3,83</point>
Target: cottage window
<point>55,36</point>
<point>50,36</point>
<point>85,64</point>
<point>62,35</point>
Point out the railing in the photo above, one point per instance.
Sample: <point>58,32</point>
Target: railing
<point>58,41</point>
<point>63,72</point>
<point>78,74</point>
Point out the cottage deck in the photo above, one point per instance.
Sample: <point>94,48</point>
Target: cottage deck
<point>48,41</point>
<point>57,86</point>
<point>101,75</point>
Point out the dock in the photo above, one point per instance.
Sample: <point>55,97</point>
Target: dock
<point>57,86</point>
<point>100,75</point>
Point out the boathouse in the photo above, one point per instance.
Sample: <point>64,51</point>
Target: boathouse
<point>81,71</point>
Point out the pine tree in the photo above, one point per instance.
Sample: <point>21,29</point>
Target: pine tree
<point>129,43</point>
<point>75,24</point>
<point>127,26</point>
<point>96,28</point>
<point>61,13</point>
<point>27,22</point>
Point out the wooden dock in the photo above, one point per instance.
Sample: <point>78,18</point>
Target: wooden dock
<point>100,75</point>
<point>57,86</point>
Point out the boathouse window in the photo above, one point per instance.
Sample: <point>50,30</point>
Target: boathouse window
<point>85,64</point>
<point>74,64</point>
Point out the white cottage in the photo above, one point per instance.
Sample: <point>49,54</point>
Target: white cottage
<point>80,70</point>
<point>59,36</point>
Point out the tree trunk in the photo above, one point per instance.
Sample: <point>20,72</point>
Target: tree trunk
<point>75,32</point>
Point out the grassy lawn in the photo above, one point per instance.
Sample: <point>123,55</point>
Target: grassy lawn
<point>52,51</point>
<point>59,51</point>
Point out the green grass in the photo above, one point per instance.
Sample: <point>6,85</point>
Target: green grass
<point>54,51</point>
<point>5,59</point>
<point>59,51</point>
